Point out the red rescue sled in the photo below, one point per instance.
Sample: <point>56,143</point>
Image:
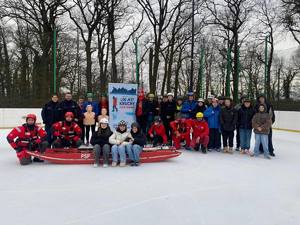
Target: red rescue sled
<point>86,156</point>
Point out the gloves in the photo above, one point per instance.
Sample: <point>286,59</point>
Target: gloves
<point>18,149</point>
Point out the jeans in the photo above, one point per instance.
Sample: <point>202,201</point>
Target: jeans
<point>116,151</point>
<point>270,143</point>
<point>134,152</point>
<point>245,138</point>
<point>227,137</point>
<point>261,139</point>
<point>105,152</point>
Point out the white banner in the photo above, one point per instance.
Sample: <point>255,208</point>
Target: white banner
<point>122,103</point>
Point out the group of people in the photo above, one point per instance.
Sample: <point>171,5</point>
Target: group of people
<point>194,125</point>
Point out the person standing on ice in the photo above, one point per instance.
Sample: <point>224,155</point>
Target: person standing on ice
<point>261,123</point>
<point>200,133</point>
<point>200,107</point>
<point>151,110</point>
<point>212,113</point>
<point>100,142</point>
<point>228,120</point>
<point>179,102</point>
<point>136,147</point>
<point>189,106</point>
<point>168,109</point>
<point>141,117</point>
<point>269,109</point>
<point>92,103</point>
<point>49,116</point>
<point>67,133</point>
<point>120,139</point>
<point>89,123</point>
<point>244,124</point>
<point>68,105</point>
<point>28,137</point>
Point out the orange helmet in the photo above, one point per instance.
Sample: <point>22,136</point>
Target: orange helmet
<point>69,114</point>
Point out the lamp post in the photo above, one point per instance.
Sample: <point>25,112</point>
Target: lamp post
<point>54,59</point>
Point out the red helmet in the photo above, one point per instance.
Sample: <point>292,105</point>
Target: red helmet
<point>31,116</point>
<point>69,114</point>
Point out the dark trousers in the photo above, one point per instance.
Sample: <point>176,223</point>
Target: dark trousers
<point>157,140</point>
<point>227,138</point>
<point>270,143</point>
<point>49,133</point>
<point>166,123</point>
<point>142,122</point>
<point>237,137</point>
<point>214,138</point>
<point>87,131</point>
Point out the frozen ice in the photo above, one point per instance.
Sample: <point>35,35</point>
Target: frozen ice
<point>193,189</point>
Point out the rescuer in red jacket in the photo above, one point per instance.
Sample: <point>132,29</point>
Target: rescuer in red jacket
<point>157,132</point>
<point>67,133</point>
<point>28,137</point>
<point>200,133</point>
<point>181,130</point>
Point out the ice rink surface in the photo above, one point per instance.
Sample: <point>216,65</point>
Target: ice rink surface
<point>193,189</point>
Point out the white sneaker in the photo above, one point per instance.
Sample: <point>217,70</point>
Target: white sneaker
<point>114,164</point>
<point>122,164</point>
<point>105,165</point>
<point>96,165</point>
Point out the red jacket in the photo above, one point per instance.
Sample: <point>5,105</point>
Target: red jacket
<point>21,136</point>
<point>70,132</point>
<point>160,131</point>
<point>200,128</point>
<point>181,126</point>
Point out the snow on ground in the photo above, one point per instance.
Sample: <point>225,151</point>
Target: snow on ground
<point>193,189</point>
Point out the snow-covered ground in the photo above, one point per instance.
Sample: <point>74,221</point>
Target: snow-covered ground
<point>212,189</point>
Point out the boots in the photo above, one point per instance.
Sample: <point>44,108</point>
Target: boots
<point>204,149</point>
<point>230,150</point>
<point>225,150</point>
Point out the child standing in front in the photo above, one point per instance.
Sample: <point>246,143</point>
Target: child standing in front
<point>261,123</point>
<point>89,122</point>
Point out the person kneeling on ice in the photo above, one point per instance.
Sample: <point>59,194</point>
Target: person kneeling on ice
<point>157,132</point>
<point>120,139</point>
<point>181,129</point>
<point>67,133</point>
<point>261,123</point>
<point>28,137</point>
<point>100,141</point>
<point>200,133</point>
<point>136,147</point>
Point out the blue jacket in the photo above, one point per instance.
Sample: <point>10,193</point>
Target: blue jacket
<point>188,108</point>
<point>213,116</point>
<point>95,107</point>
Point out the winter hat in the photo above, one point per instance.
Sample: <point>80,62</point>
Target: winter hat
<point>170,94</point>
<point>201,100</point>
<point>122,123</point>
<point>151,95</point>
<point>190,94</point>
<point>104,120</point>
<point>89,95</point>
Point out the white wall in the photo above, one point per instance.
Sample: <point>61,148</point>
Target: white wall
<point>287,120</point>
<point>13,117</point>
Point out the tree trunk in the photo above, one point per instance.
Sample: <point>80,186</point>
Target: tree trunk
<point>151,80</point>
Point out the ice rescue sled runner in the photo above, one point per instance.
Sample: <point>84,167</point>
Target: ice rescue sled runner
<point>86,155</point>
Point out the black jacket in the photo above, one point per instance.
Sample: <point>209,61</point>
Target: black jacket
<point>200,109</point>
<point>228,118</point>
<point>245,116</point>
<point>138,138</point>
<point>150,108</point>
<point>168,110</point>
<point>68,106</point>
<point>101,136</point>
<point>50,113</point>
